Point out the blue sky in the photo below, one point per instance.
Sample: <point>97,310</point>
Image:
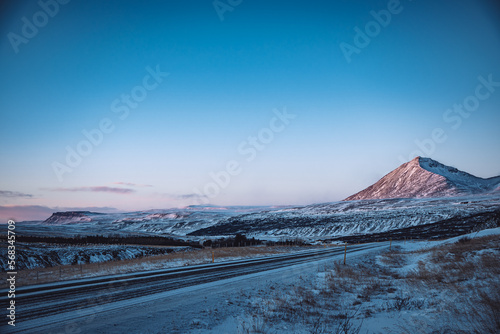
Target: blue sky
<point>351,120</point>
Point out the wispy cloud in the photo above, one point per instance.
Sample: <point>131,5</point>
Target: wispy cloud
<point>192,196</point>
<point>103,189</point>
<point>129,184</point>
<point>14,194</point>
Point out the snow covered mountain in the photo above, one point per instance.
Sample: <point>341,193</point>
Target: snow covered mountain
<point>417,194</point>
<point>71,217</point>
<point>349,218</point>
<point>424,178</point>
<point>176,222</point>
<point>317,221</point>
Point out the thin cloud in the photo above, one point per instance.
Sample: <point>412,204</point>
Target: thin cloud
<point>102,189</point>
<point>14,194</point>
<point>129,184</point>
<point>190,196</point>
<point>193,198</point>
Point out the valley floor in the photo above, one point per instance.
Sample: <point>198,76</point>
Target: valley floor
<point>173,257</point>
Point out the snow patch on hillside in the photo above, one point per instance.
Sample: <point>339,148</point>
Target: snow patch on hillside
<point>460,179</point>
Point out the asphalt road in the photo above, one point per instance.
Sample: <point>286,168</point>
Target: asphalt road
<point>45,300</point>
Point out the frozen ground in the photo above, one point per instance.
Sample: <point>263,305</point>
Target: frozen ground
<point>450,286</point>
<point>176,257</point>
<point>312,222</point>
<point>363,217</point>
<point>40,255</point>
<point>416,287</point>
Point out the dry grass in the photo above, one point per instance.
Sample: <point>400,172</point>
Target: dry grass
<point>460,261</point>
<point>252,325</point>
<point>176,259</point>
<point>469,270</point>
<point>301,305</point>
<point>479,314</point>
<point>343,278</point>
<point>394,259</point>
<point>453,280</point>
<point>490,309</point>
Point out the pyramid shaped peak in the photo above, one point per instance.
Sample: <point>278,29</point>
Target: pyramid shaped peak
<point>427,164</point>
<point>419,159</point>
<point>414,161</point>
<point>425,177</point>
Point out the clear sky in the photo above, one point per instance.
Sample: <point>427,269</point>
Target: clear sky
<point>133,105</point>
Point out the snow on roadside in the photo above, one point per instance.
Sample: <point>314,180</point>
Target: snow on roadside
<point>418,245</point>
<point>40,255</point>
<point>217,307</point>
<point>377,291</point>
<point>174,257</point>
<point>437,286</point>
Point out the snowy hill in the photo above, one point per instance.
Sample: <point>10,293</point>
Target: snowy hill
<point>349,218</point>
<point>423,178</point>
<point>418,193</point>
<point>71,217</point>
<point>177,222</point>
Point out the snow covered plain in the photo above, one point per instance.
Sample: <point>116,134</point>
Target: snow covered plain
<point>360,220</point>
<point>40,255</point>
<point>329,220</point>
<point>313,222</point>
<point>177,222</point>
<point>449,286</point>
<point>170,223</point>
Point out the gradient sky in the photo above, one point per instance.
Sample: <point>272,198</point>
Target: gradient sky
<point>354,121</point>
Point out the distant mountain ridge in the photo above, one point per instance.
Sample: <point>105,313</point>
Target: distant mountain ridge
<point>71,217</point>
<point>425,178</point>
<point>416,194</point>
